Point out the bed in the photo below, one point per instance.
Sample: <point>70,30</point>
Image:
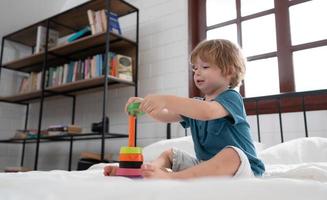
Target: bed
<point>291,174</point>
<point>296,169</point>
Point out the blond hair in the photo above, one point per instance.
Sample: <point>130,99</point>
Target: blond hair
<point>224,54</point>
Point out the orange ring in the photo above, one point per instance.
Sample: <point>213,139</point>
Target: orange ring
<point>131,157</point>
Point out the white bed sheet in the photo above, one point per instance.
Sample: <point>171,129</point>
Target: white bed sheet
<point>290,174</point>
<point>91,184</point>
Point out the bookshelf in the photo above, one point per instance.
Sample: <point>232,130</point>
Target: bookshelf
<point>66,23</point>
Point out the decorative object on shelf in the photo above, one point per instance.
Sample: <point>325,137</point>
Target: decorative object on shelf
<point>97,127</point>
<point>79,34</point>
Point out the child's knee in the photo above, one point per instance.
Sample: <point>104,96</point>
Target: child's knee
<point>228,160</point>
<point>168,152</point>
<point>232,155</point>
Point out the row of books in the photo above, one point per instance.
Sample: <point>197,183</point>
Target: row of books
<point>120,66</point>
<point>54,130</point>
<point>97,24</point>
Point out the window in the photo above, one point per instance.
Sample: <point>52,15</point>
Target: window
<point>259,35</point>
<point>310,69</point>
<point>220,11</point>
<point>227,32</point>
<point>254,6</point>
<point>284,47</point>
<point>311,26</point>
<point>261,75</point>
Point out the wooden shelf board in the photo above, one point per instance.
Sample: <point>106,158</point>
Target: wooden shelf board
<point>86,43</point>
<point>67,88</point>
<point>75,18</point>
<point>21,97</point>
<point>82,136</point>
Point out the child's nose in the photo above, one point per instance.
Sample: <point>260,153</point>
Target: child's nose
<point>197,72</point>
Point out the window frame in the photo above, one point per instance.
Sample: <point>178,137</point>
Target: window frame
<point>283,53</point>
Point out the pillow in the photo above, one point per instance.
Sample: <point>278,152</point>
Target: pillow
<point>258,146</point>
<point>301,150</point>
<point>154,150</point>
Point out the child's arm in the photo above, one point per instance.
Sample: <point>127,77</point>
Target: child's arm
<point>163,115</point>
<point>166,116</point>
<point>193,108</point>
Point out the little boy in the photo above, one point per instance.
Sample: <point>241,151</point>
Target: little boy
<point>220,131</point>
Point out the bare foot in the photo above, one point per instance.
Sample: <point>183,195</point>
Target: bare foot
<point>109,170</point>
<point>152,171</point>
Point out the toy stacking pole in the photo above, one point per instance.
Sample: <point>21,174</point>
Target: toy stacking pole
<point>130,157</point>
<point>131,130</point>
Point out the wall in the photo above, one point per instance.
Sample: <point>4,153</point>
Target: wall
<point>163,66</point>
<point>16,15</point>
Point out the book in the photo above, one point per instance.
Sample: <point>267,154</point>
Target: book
<point>103,19</point>
<point>124,67</point>
<point>112,63</point>
<point>41,39</point>
<point>24,85</point>
<point>90,15</point>
<point>29,134</point>
<point>114,23</point>
<point>12,169</point>
<point>61,129</point>
<point>79,34</point>
<point>98,21</point>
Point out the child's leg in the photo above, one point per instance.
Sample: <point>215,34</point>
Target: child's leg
<point>164,160</point>
<point>225,163</point>
<point>174,159</point>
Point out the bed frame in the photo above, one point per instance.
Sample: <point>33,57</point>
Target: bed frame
<point>279,104</point>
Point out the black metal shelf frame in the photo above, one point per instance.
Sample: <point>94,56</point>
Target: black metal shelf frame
<point>48,93</point>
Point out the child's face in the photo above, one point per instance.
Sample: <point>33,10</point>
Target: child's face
<point>208,78</point>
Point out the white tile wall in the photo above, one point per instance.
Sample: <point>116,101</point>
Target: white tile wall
<point>163,66</point>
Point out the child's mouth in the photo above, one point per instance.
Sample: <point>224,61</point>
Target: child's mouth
<point>200,81</point>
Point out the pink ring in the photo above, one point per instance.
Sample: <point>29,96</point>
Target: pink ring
<point>128,172</point>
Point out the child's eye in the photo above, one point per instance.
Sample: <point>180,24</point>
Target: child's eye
<point>194,68</point>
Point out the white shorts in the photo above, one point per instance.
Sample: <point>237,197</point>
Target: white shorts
<point>183,160</point>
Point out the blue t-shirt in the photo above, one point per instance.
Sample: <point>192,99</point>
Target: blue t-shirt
<point>212,136</point>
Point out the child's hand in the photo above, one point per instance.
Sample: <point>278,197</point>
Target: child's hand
<point>153,104</point>
<point>109,170</point>
<point>132,100</point>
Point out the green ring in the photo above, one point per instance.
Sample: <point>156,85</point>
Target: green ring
<point>133,109</point>
<point>130,150</point>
